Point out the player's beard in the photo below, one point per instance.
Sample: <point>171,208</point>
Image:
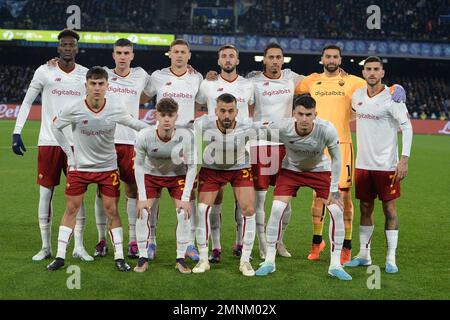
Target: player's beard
<point>229,69</point>
<point>373,84</point>
<point>226,124</point>
<point>331,67</point>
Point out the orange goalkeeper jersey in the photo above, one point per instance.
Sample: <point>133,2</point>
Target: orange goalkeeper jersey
<point>333,97</point>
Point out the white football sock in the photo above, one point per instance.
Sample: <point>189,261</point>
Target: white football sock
<point>216,221</point>
<point>392,240</point>
<point>261,218</point>
<point>183,229</point>
<point>249,226</point>
<point>336,233</point>
<point>285,221</point>
<point>203,230</point>
<point>194,223</point>
<point>45,214</point>
<point>142,233</point>
<point>100,218</point>
<point>365,238</point>
<point>131,211</point>
<point>154,215</point>
<point>79,228</point>
<point>273,230</point>
<point>117,240</point>
<point>63,240</point>
<point>238,219</point>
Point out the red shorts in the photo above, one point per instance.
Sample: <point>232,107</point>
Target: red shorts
<point>155,184</point>
<point>108,182</point>
<point>213,180</point>
<point>266,162</point>
<point>125,162</point>
<point>370,183</point>
<point>288,182</point>
<point>51,161</point>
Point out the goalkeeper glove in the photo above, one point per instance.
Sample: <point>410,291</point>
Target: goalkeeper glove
<point>17,145</point>
<point>398,93</point>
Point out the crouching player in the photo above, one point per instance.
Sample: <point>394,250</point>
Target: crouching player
<point>165,158</point>
<point>225,160</point>
<point>305,164</point>
<point>93,159</point>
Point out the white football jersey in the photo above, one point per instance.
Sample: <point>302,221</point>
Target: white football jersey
<point>93,133</point>
<point>166,158</point>
<point>306,153</point>
<point>127,90</point>
<point>240,88</point>
<point>224,151</point>
<point>58,89</point>
<point>377,122</point>
<point>183,89</point>
<point>274,97</point>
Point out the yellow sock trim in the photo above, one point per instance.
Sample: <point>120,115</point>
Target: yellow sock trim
<point>348,234</point>
<point>317,229</point>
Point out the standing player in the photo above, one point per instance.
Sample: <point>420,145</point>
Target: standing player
<point>125,87</point>
<point>165,158</point>
<point>274,91</point>
<point>225,159</point>
<point>305,164</point>
<point>59,86</point>
<point>94,160</point>
<point>178,83</point>
<point>333,93</point>
<point>242,89</point>
<point>378,170</point>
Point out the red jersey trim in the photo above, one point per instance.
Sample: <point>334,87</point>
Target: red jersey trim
<point>93,110</point>
<point>177,75</point>
<point>67,72</point>
<point>237,76</point>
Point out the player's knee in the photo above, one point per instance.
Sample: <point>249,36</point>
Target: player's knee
<point>366,208</point>
<point>248,210</point>
<point>72,209</point>
<point>110,210</point>
<point>389,209</point>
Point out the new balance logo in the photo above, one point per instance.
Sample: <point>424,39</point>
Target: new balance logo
<point>168,83</point>
<point>58,80</point>
<point>220,89</point>
<point>114,79</point>
<point>85,121</point>
<point>155,150</point>
<point>360,103</point>
<point>266,83</point>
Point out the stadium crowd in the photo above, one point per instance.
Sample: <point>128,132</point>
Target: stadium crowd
<point>402,19</point>
<point>428,96</point>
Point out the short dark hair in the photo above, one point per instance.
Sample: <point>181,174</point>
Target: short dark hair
<point>96,73</point>
<point>179,42</point>
<point>273,45</point>
<point>227,98</point>
<point>373,59</point>
<point>122,42</point>
<point>69,33</point>
<point>332,46</point>
<point>167,105</point>
<point>304,100</point>
<point>228,46</point>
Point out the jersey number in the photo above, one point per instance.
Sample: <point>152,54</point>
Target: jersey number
<point>115,177</point>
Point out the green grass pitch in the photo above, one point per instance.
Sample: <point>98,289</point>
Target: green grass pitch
<point>423,253</point>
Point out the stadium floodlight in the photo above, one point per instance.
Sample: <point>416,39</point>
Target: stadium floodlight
<point>260,58</point>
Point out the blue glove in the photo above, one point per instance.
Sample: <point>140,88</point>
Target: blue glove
<point>398,93</point>
<point>17,145</point>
